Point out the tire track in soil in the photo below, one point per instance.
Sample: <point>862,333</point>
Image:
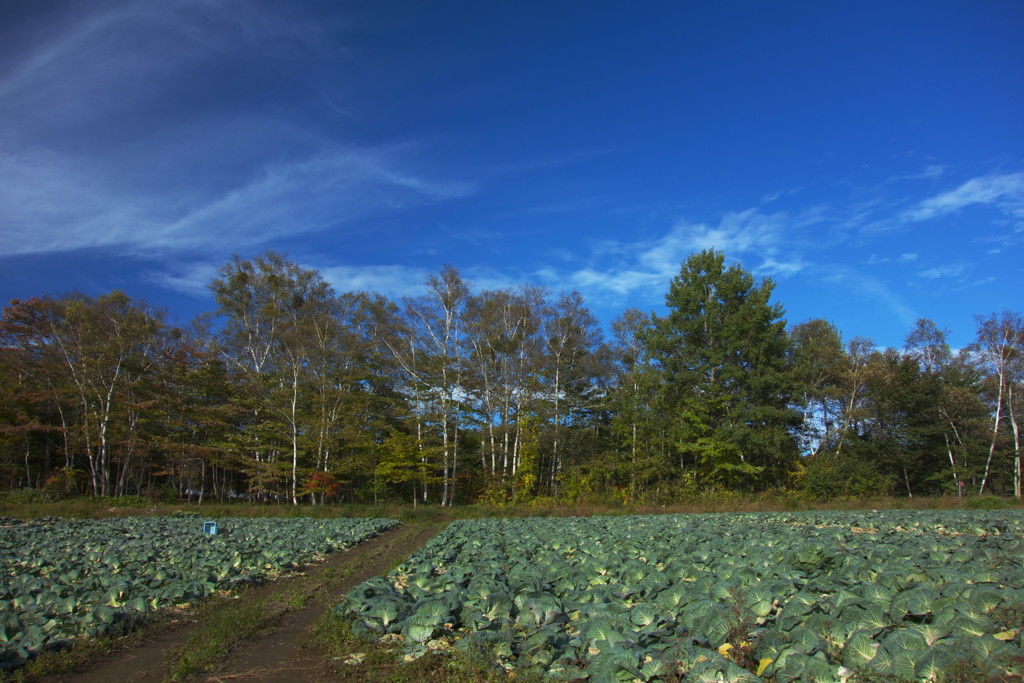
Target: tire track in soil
<point>285,652</point>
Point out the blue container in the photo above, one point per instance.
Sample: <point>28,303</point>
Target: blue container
<point>210,528</point>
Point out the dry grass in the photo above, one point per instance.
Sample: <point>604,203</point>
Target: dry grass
<point>702,503</point>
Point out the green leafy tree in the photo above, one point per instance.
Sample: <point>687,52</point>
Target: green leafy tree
<point>571,378</point>
<point>401,463</point>
<point>351,385</point>
<point>527,478</point>
<point>965,421</point>
<point>723,351</point>
<point>194,414</point>
<point>853,386</point>
<point>638,421</point>
<point>818,362</point>
<point>958,408</point>
<point>899,427</point>
<point>38,407</point>
<point>895,409</point>
<point>439,318</point>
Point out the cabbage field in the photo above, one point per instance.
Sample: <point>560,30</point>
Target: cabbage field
<point>61,579</point>
<point>816,596</point>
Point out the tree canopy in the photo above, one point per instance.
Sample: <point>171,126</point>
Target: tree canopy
<point>291,391</point>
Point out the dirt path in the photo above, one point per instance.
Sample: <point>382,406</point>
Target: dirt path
<point>286,654</point>
<point>282,654</point>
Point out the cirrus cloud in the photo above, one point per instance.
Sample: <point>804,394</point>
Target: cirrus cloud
<point>1005,191</point>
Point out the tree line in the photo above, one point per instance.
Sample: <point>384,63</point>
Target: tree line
<point>292,392</point>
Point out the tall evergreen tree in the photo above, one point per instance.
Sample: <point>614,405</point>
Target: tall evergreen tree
<point>723,349</point>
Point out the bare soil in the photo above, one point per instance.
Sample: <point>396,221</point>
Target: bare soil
<point>285,652</point>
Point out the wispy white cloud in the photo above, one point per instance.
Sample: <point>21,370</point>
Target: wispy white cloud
<point>84,54</point>
<point>97,63</point>
<point>566,255</point>
<point>903,259</point>
<point>309,195</point>
<point>617,271</point>
<point>782,268</point>
<point>52,203</point>
<point>397,281</point>
<point>762,239</point>
<point>775,196</point>
<point>619,283</point>
<point>930,172</point>
<point>952,270</point>
<point>549,160</point>
<point>78,169</point>
<point>392,281</point>
<point>1005,191</point>
<point>483,278</point>
<point>192,278</point>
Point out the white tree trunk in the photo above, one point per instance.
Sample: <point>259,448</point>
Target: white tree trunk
<point>995,430</point>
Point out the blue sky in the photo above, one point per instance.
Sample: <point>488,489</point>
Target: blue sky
<point>867,156</point>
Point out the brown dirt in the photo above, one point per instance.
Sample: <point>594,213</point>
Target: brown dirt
<point>285,653</point>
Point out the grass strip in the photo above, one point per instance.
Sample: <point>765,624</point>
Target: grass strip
<point>243,618</point>
<point>355,659</point>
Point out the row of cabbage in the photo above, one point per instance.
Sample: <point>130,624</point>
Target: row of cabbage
<point>61,579</point>
<point>898,596</point>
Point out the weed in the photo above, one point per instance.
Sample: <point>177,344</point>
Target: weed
<point>741,636</point>
<point>986,503</point>
<point>219,631</point>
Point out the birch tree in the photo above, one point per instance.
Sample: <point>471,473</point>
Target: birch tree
<point>569,371</point>
<point>272,309</point>
<point>429,348</point>
<point>441,319</point>
<point>998,346</point>
<point>106,344</point>
<point>502,336</point>
<point>854,388</point>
